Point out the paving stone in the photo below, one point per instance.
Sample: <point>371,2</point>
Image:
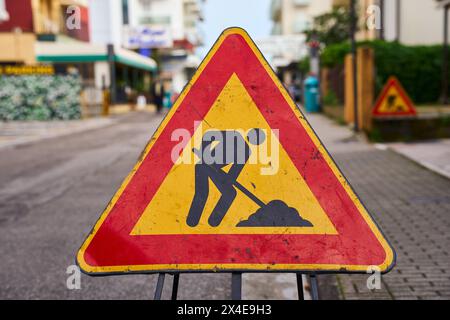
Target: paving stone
<point>412,206</point>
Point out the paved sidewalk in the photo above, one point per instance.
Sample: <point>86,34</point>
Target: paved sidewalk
<point>410,203</point>
<point>434,155</point>
<point>17,133</point>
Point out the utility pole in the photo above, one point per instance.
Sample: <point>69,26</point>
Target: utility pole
<point>112,73</point>
<point>353,24</point>
<point>381,19</point>
<point>314,46</point>
<point>445,64</point>
<point>398,21</point>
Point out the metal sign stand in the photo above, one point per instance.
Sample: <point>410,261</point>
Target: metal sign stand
<point>236,286</point>
<point>314,287</point>
<point>159,286</point>
<point>301,295</point>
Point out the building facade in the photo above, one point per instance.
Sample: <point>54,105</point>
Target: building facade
<point>107,20</point>
<point>75,36</point>
<point>411,22</point>
<point>23,23</point>
<point>169,31</point>
<point>291,18</point>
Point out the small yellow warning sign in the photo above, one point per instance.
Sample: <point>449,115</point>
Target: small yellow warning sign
<point>394,101</point>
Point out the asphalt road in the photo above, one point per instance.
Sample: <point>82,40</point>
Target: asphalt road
<point>53,191</point>
<point>51,194</point>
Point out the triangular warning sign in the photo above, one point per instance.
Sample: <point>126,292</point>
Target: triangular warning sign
<point>393,101</point>
<point>235,179</point>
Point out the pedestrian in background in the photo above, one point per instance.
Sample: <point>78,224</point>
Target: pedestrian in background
<point>158,94</point>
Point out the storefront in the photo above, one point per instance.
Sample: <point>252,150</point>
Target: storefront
<point>124,72</point>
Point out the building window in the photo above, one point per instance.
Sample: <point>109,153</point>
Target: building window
<point>125,15</point>
<point>301,2</point>
<point>159,20</point>
<point>300,24</point>
<point>276,29</point>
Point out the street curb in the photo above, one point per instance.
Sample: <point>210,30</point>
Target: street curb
<point>423,164</point>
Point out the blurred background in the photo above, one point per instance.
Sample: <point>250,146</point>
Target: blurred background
<point>84,84</point>
<point>150,49</point>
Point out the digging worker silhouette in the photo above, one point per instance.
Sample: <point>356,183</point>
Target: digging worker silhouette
<point>218,150</point>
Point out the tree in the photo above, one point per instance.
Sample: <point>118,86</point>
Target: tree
<point>332,27</point>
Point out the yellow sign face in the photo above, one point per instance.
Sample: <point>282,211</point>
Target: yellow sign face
<point>235,179</point>
<point>394,101</point>
<point>235,109</point>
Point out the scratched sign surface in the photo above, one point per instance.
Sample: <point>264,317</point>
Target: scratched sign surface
<point>235,179</point>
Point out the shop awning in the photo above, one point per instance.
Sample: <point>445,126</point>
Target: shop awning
<point>54,52</point>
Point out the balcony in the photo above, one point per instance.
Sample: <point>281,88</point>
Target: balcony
<point>275,10</point>
<point>276,29</point>
<point>193,8</point>
<point>301,3</point>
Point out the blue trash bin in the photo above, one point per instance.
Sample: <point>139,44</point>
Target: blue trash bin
<point>311,94</point>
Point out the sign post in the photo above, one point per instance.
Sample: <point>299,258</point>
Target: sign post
<point>353,29</point>
<point>235,180</point>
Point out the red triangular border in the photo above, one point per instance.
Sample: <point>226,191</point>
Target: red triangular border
<point>111,248</point>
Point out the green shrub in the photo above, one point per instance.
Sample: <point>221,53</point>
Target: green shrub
<point>330,99</point>
<point>419,68</point>
<point>334,55</point>
<point>40,97</point>
<point>304,65</point>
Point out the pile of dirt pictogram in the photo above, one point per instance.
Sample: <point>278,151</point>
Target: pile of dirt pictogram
<point>275,214</point>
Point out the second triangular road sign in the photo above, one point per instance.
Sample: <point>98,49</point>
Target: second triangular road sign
<point>393,101</point>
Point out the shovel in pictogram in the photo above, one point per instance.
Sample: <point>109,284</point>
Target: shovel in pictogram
<point>276,213</point>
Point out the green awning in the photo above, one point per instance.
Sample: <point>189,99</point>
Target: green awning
<point>86,53</point>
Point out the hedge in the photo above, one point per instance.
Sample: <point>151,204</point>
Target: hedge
<point>33,97</point>
<point>419,68</point>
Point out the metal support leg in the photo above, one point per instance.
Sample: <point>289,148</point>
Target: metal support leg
<point>176,279</point>
<point>314,287</point>
<point>236,286</point>
<point>159,286</point>
<point>301,295</point>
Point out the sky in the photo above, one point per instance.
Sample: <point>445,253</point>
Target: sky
<point>252,15</point>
